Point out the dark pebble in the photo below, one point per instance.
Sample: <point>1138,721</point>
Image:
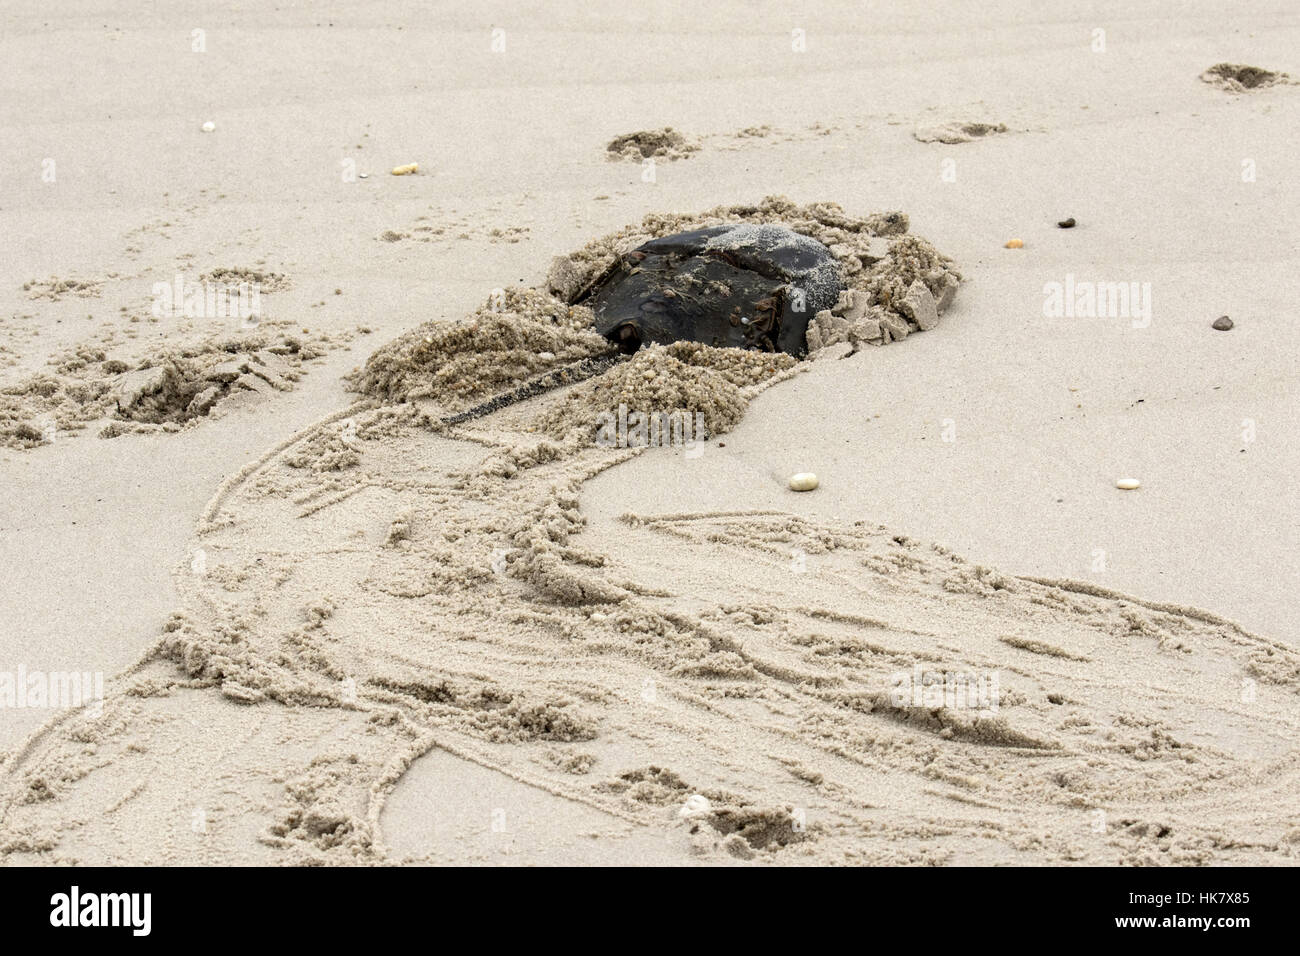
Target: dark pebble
<point>1066,223</point>
<point>1222,323</point>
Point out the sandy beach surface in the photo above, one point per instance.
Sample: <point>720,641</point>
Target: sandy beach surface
<point>331,629</point>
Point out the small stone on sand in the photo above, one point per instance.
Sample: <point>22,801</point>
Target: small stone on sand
<point>209,126</point>
<point>696,805</point>
<point>1127,484</point>
<point>1067,223</point>
<point>1014,244</point>
<point>1222,323</point>
<point>804,481</point>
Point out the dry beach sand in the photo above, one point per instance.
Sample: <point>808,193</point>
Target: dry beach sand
<point>339,625</point>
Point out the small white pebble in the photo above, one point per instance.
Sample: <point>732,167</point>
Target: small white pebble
<point>697,805</point>
<point>598,617</point>
<point>1127,484</point>
<point>209,126</point>
<point>546,356</point>
<point>804,481</point>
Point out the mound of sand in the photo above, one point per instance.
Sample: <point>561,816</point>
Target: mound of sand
<point>953,134</point>
<point>666,144</point>
<point>684,379</point>
<point>515,336</point>
<point>1240,78</point>
<point>165,389</point>
<point>233,276</point>
<point>55,288</point>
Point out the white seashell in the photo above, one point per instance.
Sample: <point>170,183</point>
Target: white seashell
<point>1127,484</point>
<point>804,481</point>
<point>209,126</point>
<point>697,805</point>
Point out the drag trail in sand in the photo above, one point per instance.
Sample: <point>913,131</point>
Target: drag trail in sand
<point>382,595</point>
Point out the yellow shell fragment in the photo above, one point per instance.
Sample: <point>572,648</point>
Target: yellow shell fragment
<point>406,170</point>
<point>1014,244</point>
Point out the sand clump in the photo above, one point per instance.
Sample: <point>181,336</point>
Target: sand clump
<point>515,336</point>
<point>705,386</point>
<point>905,291</point>
<point>1240,78</point>
<point>326,451</point>
<point>718,821</point>
<point>953,134</point>
<point>666,144</point>
<point>55,288</point>
<point>448,226</point>
<point>164,390</point>
<point>264,280</point>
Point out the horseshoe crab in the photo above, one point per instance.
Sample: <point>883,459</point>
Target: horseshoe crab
<point>741,286</point>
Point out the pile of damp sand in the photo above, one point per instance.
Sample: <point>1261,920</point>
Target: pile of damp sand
<point>664,143</point>
<point>686,381</point>
<point>165,389</point>
<point>1240,78</point>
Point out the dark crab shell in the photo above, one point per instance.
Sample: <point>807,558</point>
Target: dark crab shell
<point>739,286</point>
